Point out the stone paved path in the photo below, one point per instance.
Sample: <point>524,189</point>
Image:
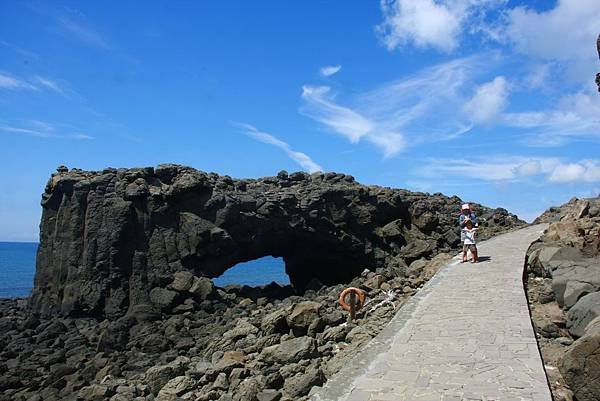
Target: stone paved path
<point>466,335</point>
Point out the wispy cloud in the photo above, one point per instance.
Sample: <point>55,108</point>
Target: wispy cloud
<point>49,84</point>
<point>25,53</point>
<point>330,70</point>
<point>42,129</point>
<point>575,116</point>
<point>301,158</point>
<point>26,131</point>
<point>83,33</point>
<point>399,112</point>
<point>12,83</point>
<point>512,168</point>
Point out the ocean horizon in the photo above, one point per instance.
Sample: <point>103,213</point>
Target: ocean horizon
<point>17,269</point>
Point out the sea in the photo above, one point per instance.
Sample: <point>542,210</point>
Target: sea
<point>17,268</point>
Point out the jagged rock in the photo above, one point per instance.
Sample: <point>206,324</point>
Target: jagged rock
<point>573,279</point>
<point>158,376</point>
<point>182,281</point>
<point>242,329</point>
<point>275,322</point>
<point>327,228</point>
<point>230,361</point>
<point>303,315</point>
<point>580,367</point>
<point>300,385</point>
<point>162,297</point>
<point>202,288</point>
<point>95,392</point>
<point>582,313</point>
<point>174,388</point>
<point>248,390</point>
<point>269,395</point>
<point>290,351</point>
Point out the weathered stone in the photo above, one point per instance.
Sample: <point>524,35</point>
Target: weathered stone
<point>95,392</point>
<point>580,368</point>
<point>174,388</point>
<point>158,376</point>
<point>300,385</point>
<point>303,314</point>
<point>242,329</point>
<point>202,287</point>
<point>162,297</point>
<point>221,382</point>
<point>182,281</point>
<point>247,390</point>
<point>416,267</point>
<point>290,351</point>
<point>269,395</point>
<point>582,313</point>
<point>275,322</point>
<point>573,279</point>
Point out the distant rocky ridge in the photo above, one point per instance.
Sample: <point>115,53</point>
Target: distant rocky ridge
<point>111,240</point>
<point>566,265</point>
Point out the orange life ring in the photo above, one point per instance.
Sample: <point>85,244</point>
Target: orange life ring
<point>360,297</point>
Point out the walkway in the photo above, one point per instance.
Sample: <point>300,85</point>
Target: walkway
<point>466,335</point>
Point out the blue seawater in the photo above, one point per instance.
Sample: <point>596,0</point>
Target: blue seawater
<point>256,272</point>
<point>17,268</point>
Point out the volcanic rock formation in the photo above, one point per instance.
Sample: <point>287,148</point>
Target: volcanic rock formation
<point>566,265</point>
<point>113,239</point>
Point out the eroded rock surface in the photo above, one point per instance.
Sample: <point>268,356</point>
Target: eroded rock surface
<point>564,289</point>
<point>112,240</point>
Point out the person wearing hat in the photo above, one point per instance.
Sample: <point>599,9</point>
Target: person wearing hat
<point>465,215</point>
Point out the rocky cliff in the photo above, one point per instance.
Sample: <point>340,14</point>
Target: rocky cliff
<point>109,238</point>
<point>564,268</point>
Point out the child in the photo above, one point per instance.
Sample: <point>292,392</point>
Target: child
<point>469,241</point>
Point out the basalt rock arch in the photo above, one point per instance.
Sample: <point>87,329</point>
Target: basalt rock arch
<point>108,238</point>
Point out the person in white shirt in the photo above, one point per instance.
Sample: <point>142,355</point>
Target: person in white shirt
<point>469,233</point>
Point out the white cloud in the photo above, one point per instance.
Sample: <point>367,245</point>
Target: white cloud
<point>565,33</point>
<point>26,131</point>
<point>42,129</point>
<point>574,116</point>
<point>512,168</point>
<point>301,158</point>
<point>489,100</point>
<point>329,70</point>
<point>12,83</point>
<point>49,84</point>
<point>398,113</point>
<point>321,107</point>
<point>490,168</point>
<point>583,171</point>
<point>528,168</point>
<point>83,33</point>
<point>428,23</point>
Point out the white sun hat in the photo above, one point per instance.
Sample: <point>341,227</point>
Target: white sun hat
<point>465,207</point>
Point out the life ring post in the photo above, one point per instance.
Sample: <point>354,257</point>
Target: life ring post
<point>356,300</point>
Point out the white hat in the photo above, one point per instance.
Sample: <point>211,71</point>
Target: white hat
<point>465,207</point>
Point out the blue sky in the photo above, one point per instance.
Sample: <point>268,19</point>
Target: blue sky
<point>491,100</point>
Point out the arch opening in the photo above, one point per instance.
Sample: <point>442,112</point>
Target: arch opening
<point>254,273</point>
